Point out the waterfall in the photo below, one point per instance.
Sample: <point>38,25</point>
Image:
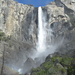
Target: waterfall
<point>41,32</point>
<point>44,44</point>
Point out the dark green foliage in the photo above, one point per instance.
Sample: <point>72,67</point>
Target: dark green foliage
<point>56,66</point>
<point>2,36</point>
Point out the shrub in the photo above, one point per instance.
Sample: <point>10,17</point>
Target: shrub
<point>66,65</point>
<point>2,36</point>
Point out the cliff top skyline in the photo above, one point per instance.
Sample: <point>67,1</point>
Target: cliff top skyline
<point>35,3</point>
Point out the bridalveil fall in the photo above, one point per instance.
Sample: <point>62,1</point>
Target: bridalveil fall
<point>30,35</point>
<point>44,44</point>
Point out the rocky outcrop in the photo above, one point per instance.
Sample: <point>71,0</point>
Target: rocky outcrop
<point>61,19</point>
<point>56,65</point>
<point>69,8</point>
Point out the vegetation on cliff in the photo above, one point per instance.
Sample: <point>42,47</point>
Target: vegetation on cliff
<point>3,37</point>
<point>56,66</point>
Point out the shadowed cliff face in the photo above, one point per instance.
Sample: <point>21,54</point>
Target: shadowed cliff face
<point>29,26</point>
<point>20,24</point>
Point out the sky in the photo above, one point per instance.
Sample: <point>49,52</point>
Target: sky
<point>36,3</point>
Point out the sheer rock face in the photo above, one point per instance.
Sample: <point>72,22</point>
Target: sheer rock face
<point>61,16</point>
<point>19,23</point>
<point>16,18</point>
<point>69,8</point>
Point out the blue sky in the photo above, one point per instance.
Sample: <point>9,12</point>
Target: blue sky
<point>36,3</point>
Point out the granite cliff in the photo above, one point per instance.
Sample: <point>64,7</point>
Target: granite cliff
<point>16,22</point>
<point>19,31</point>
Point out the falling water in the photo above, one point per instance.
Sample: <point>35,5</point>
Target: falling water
<point>43,46</point>
<point>41,31</point>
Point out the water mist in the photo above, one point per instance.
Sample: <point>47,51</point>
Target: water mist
<point>44,45</point>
